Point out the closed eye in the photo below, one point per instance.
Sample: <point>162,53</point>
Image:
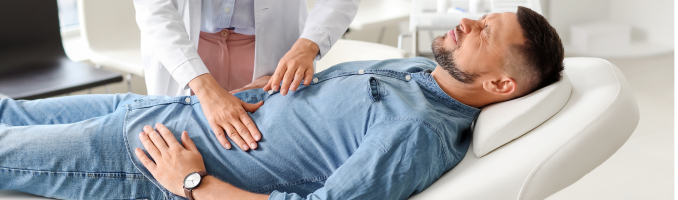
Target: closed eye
<point>487,30</point>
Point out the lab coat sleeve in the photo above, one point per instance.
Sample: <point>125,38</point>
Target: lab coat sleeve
<point>328,21</point>
<point>387,165</point>
<point>163,31</point>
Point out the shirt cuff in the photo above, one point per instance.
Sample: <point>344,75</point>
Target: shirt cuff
<point>188,70</point>
<point>317,34</point>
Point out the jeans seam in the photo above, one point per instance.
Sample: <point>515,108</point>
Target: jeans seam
<point>129,153</point>
<point>79,173</point>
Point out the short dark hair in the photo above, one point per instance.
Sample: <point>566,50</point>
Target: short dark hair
<point>542,52</point>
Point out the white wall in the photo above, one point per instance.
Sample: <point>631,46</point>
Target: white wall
<point>652,20</point>
<point>563,13</point>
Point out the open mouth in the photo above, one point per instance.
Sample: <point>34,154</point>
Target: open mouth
<point>453,33</point>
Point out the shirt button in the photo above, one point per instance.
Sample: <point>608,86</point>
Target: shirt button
<point>408,77</point>
<point>361,71</point>
<point>270,92</point>
<point>188,100</point>
<point>227,9</point>
<point>315,80</point>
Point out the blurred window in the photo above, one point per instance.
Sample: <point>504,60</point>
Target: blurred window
<point>68,14</point>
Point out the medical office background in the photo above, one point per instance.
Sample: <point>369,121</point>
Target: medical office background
<point>641,169</point>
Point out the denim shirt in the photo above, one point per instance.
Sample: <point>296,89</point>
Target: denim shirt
<point>360,130</point>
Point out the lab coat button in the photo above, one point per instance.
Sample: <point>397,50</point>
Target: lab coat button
<point>408,77</point>
<point>315,80</point>
<point>270,92</point>
<point>361,71</point>
<point>188,100</point>
<point>228,10</point>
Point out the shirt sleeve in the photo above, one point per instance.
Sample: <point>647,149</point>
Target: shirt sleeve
<point>397,159</point>
<point>328,21</point>
<point>164,32</point>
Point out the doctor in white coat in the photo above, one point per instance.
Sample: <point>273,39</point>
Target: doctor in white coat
<point>287,41</point>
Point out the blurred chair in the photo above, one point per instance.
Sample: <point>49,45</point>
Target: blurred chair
<point>33,63</point>
<point>110,31</point>
<point>353,50</point>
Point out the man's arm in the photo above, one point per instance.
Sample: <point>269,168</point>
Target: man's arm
<point>396,159</point>
<point>172,161</point>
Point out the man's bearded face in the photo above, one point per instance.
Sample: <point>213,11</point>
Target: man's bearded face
<point>445,59</point>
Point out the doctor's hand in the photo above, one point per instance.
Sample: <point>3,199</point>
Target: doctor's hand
<point>173,161</point>
<point>226,112</point>
<point>297,64</point>
<point>259,83</point>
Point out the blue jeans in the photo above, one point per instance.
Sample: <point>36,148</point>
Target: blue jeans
<point>70,148</point>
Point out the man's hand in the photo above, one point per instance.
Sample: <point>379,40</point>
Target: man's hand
<point>259,83</point>
<point>172,160</point>
<point>226,112</point>
<point>297,64</point>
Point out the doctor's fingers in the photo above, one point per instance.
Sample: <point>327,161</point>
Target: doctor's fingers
<point>277,76</point>
<point>245,133</point>
<point>298,76</point>
<point>221,137</point>
<point>287,80</point>
<point>233,133</point>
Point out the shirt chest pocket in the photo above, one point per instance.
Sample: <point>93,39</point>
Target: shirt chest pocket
<point>376,89</point>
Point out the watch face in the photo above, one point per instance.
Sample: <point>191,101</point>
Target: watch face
<point>192,180</point>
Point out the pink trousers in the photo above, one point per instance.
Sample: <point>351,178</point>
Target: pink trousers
<point>229,57</point>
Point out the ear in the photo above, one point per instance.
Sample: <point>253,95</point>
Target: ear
<point>503,86</point>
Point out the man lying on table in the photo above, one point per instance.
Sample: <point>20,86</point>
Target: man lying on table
<point>361,130</point>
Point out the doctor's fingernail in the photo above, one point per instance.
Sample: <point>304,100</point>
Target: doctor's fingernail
<point>253,145</point>
<point>257,137</point>
<point>245,147</point>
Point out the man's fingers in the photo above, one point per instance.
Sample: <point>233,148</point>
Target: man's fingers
<point>251,107</point>
<point>156,138</point>
<point>298,76</point>
<point>167,135</point>
<point>221,136</point>
<point>188,143</point>
<point>235,136</point>
<point>150,147</point>
<point>147,162</point>
<point>309,77</point>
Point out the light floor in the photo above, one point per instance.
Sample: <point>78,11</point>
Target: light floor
<point>641,169</point>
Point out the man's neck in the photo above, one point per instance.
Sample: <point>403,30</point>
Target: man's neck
<point>464,93</point>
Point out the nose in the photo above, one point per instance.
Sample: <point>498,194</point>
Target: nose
<point>466,25</point>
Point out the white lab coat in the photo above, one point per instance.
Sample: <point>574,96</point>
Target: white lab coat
<point>170,31</point>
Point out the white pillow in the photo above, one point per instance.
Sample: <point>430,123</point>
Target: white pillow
<point>501,123</point>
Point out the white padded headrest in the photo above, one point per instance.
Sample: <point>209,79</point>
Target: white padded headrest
<point>501,123</point>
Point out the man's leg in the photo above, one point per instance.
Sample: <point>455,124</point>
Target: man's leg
<point>61,110</point>
<point>82,160</point>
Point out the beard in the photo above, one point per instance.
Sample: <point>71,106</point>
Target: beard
<point>445,59</point>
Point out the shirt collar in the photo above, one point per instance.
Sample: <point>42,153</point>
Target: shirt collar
<point>430,84</point>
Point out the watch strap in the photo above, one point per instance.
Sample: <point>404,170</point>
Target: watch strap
<point>189,192</point>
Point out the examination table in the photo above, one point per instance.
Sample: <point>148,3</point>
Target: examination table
<point>594,120</point>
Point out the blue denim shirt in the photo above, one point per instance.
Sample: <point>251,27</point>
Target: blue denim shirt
<point>361,130</point>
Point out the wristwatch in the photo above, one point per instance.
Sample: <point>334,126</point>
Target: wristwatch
<point>192,181</point>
